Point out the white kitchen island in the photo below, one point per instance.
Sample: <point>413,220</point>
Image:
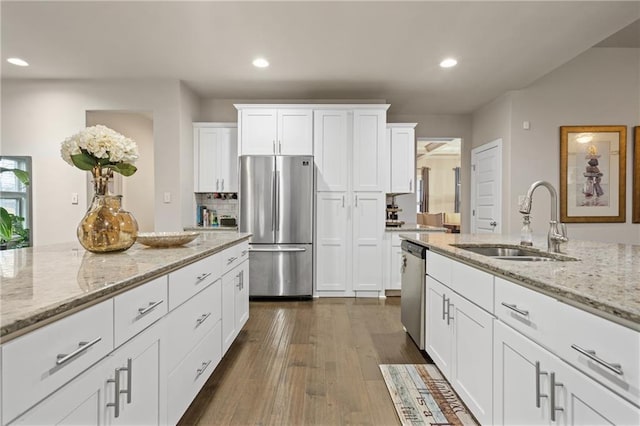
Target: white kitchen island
<point>120,338</point>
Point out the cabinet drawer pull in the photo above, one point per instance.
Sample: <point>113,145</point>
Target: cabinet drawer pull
<point>222,186</point>
<point>552,396</point>
<point>217,184</point>
<point>444,309</point>
<point>129,380</point>
<point>231,260</point>
<point>615,367</point>
<point>200,370</point>
<point>202,276</point>
<point>202,319</point>
<point>116,395</point>
<point>539,373</point>
<point>82,346</point>
<point>449,317</point>
<point>152,306</point>
<point>516,309</point>
<point>244,253</point>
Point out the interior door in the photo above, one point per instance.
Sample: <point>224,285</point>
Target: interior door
<point>257,195</point>
<point>486,188</point>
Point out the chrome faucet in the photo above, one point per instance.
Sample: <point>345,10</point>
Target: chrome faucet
<point>557,231</point>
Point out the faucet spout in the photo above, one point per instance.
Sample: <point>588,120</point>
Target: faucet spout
<point>557,231</point>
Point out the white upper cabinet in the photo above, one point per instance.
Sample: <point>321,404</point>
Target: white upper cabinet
<point>402,148</point>
<point>331,149</point>
<point>215,152</point>
<point>275,131</point>
<point>369,153</point>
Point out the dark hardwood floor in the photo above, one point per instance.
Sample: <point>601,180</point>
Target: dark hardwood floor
<point>308,363</point>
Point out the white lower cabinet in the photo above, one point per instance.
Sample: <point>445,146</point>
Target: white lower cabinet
<point>459,338</point>
<point>392,261</point>
<point>235,303</point>
<point>131,373</point>
<point>533,386</point>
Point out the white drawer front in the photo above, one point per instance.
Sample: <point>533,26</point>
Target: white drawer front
<point>439,267</point>
<point>610,343</point>
<point>473,284</point>
<point>138,308</point>
<point>190,322</point>
<point>191,279</point>
<point>38,363</point>
<point>232,256</point>
<point>526,310</point>
<point>189,377</point>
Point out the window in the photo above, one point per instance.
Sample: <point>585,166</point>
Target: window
<point>15,196</point>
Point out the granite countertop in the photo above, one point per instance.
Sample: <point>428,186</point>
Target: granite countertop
<point>605,280</point>
<point>44,283</point>
<point>413,227</point>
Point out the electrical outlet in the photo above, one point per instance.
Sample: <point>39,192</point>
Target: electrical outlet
<point>167,197</point>
<point>74,198</point>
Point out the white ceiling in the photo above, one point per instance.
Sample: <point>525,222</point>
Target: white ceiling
<point>317,50</point>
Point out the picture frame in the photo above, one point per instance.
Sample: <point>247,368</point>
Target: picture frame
<point>593,174</point>
<point>636,175</point>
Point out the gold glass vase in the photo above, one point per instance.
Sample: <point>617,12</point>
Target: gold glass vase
<point>106,227</point>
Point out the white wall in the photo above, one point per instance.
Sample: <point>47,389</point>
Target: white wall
<point>599,87</point>
<point>37,115</point>
<point>189,108</point>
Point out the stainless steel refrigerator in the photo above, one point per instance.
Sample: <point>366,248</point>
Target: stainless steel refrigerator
<point>276,206</point>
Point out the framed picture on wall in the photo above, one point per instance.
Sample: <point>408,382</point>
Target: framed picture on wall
<point>592,173</point>
<point>636,175</point>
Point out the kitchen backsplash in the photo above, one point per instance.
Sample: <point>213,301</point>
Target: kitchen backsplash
<point>224,206</point>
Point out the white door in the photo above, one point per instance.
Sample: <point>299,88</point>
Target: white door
<point>242,296</point>
<point>229,282</point>
<point>295,132</point>
<point>403,159</point>
<point>369,156</point>
<point>486,188</point>
<point>438,329</point>
<point>368,233</point>
<point>331,150</point>
<point>206,159</point>
<point>259,131</point>
<point>332,241</point>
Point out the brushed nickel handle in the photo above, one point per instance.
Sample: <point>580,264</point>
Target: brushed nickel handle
<point>539,373</point>
<point>202,319</point>
<point>231,260</point>
<point>217,184</point>
<point>116,403</point>
<point>449,317</point>
<point>152,306</point>
<point>444,304</point>
<point>552,396</point>
<point>279,147</point>
<point>274,147</point>
<point>203,367</point>
<point>244,253</point>
<point>516,309</point>
<point>82,346</point>
<point>356,200</point>
<point>242,280</point>
<point>129,379</point>
<point>222,186</point>
<point>591,354</point>
<point>410,185</point>
<point>203,276</point>
<point>239,283</point>
<point>343,201</point>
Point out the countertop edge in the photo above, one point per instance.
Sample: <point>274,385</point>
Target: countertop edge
<point>65,308</point>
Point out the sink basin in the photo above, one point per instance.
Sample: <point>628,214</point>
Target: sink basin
<point>517,253</point>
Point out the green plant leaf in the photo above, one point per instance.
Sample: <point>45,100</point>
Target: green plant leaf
<point>20,174</point>
<point>123,168</point>
<point>6,225</point>
<point>83,161</point>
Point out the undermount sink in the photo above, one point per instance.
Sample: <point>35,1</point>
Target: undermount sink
<point>518,253</point>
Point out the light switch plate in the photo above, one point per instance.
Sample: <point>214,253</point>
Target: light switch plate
<point>74,198</point>
<point>167,197</point>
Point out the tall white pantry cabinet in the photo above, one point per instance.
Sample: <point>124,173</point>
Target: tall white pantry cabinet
<point>352,167</point>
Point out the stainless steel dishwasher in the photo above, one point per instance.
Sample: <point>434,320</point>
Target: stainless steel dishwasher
<point>412,293</point>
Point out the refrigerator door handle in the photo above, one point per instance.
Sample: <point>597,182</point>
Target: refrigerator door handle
<point>276,250</point>
<point>273,186</point>
<point>277,215</point>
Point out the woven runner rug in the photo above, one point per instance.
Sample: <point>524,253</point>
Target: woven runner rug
<point>423,397</point>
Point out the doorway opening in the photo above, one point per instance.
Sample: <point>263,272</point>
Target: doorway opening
<point>438,179</point>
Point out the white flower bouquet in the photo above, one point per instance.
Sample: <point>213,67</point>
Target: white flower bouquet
<point>100,147</point>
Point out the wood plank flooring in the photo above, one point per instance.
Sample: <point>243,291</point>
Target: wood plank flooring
<point>308,363</point>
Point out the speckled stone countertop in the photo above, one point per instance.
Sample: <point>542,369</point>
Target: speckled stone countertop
<point>605,280</point>
<point>414,227</point>
<point>44,283</point>
<point>212,228</point>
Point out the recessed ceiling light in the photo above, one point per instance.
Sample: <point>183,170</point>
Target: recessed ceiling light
<point>19,62</point>
<point>448,63</point>
<point>260,63</point>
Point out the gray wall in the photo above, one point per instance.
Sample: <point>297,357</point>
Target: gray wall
<point>599,87</point>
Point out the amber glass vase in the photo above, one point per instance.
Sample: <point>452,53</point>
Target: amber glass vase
<point>106,227</point>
